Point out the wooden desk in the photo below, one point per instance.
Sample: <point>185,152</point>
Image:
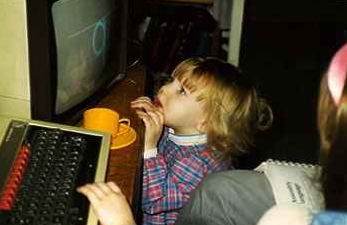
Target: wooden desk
<point>125,164</point>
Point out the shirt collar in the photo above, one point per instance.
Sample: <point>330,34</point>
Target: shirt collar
<point>190,139</point>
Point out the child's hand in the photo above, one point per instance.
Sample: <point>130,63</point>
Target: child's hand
<point>109,203</point>
<point>153,119</point>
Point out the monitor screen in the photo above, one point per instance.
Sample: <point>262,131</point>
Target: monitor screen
<point>62,57</point>
<point>83,31</point>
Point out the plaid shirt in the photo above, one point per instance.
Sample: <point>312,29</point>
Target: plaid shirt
<point>181,163</point>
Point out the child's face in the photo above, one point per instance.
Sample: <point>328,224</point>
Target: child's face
<point>182,111</point>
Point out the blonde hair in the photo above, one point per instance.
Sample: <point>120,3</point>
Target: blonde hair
<point>326,120</point>
<point>234,108</point>
<point>332,122</point>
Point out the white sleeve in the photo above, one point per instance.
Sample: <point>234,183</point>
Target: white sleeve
<point>150,153</point>
<point>286,215</point>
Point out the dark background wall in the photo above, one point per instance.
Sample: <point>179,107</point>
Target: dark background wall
<point>286,46</point>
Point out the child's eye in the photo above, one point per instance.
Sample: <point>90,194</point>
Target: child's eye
<point>182,91</point>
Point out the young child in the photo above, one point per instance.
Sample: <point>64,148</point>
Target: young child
<point>195,125</point>
<point>197,122</point>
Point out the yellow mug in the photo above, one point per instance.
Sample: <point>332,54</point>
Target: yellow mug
<point>104,119</point>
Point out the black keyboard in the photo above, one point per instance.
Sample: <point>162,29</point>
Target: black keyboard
<point>46,170</point>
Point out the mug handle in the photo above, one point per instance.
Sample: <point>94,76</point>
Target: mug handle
<point>127,122</point>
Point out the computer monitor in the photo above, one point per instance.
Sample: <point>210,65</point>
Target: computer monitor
<point>60,57</point>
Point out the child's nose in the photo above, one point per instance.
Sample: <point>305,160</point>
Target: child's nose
<point>163,89</point>
<point>160,91</point>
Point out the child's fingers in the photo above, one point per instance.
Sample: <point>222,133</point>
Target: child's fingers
<point>146,120</point>
<point>104,188</point>
<point>99,190</point>
<point>151,118</point>
<point>156,117</point>
<point>141,107</point>
<point>141,114</point>
<point>95,189</point>
<point>114,187</point>
<point>87,191</point>
<point>142,103</point>
<point>142,98</point>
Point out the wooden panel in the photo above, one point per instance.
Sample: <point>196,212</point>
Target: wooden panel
<point>125,163</point>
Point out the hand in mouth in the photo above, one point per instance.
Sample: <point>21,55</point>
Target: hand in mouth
<point>157,103</point>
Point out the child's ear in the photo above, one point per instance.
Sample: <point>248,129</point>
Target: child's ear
<point>201,126</point>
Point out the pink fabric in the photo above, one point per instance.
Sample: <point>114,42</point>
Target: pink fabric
<point>337,74</point>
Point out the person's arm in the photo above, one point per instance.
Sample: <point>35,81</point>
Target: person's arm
<point>168,189</point>
<point>109,203</point>
<point>236,197</point>
<point>287,215</point>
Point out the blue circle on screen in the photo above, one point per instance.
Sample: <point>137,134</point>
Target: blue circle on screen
<point>100,26</point>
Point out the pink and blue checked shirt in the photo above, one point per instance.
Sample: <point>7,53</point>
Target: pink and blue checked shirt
<point>181,163</point>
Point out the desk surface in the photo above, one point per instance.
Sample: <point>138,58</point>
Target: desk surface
<point>125,165</point>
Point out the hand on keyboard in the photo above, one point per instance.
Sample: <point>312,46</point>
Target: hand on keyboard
<point>109,203</point>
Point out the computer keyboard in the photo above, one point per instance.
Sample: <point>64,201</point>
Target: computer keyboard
<point>48,166</point>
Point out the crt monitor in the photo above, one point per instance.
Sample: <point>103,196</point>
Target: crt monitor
<point>60,56</point>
